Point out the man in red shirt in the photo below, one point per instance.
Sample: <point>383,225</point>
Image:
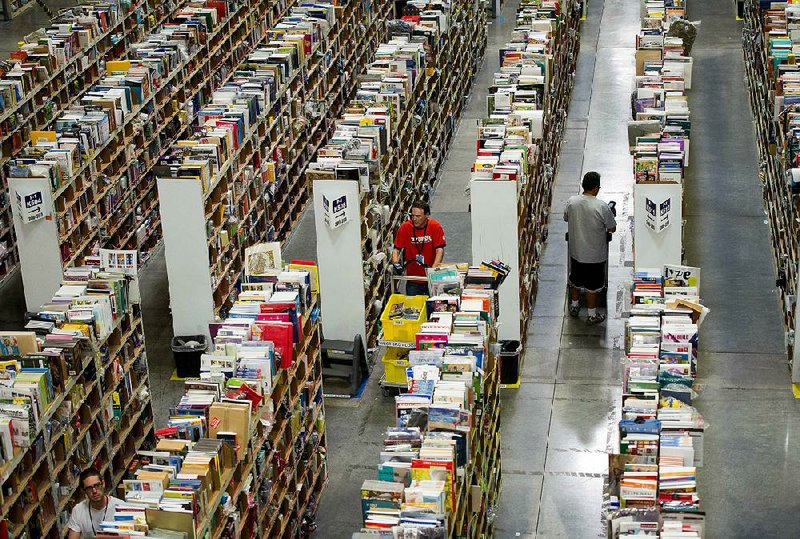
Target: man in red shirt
<point>421,240</point>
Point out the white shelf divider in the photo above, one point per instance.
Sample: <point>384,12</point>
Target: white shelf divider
<point>495,234</point>
<point>339,257</point>
<point>183,223</point>
<point>652,248</point>
<point>37,240</point>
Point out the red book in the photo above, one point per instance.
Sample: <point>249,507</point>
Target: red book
<point>247,392</point>
<point>168,432</point>
<point>275,317</point>
<point>234,127</point>
<point>288,308</point>
<point>221,7</point>
<point>280,334</point>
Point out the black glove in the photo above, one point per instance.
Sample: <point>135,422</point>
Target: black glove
<point>398,268</point>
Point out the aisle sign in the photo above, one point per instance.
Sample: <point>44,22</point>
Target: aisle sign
<point>335,211</point>
<point>658,214</point>
<point>30,206</point>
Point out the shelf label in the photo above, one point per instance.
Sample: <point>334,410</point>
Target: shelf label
<point>30,206</point>
<point>658,214</point>
<point>335,211</point>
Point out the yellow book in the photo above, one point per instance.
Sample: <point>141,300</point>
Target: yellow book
<point>118,65</point>
<point>83,328</point>
<point>313,271</point>
<point>47,136</point>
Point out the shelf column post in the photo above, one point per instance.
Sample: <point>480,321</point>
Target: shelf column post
<point>340,258</point>
<point>34,216</point>
<point>495,234</point>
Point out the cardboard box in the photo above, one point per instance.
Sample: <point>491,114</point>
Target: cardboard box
<point>231,417</point>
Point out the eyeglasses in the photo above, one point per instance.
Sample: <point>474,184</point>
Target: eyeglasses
<point>96,486</point>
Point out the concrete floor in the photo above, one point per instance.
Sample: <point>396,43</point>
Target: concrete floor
<point>557,427</point>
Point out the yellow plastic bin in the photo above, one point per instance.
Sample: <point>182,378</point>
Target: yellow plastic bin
<point>395,363</point>
<point>401,329</point>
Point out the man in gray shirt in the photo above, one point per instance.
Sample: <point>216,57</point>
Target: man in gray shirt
<point>590,220</point>
<point>98,507</point>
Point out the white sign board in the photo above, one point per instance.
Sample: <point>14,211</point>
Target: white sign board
<point>341,270</point>
<point>335,210</point>
<point>657,215</point>
<point>494,238</point>
<point>658,224</point>
<point>37,239</point>
<point>183,221</point>
<point>30,206</point>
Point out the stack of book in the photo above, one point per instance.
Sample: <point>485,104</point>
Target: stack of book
<point>660,141</point>
<point>774,87</point>
<point>665,307</point>
<point>663,74</point>
<point>251,427</point>
<point>37,59</point>
<point>250,142</point>
<point>52,71</point>
<point>518,139</point>
<point>235,107</point>
<point>440,434</point>
<point>383,95</point>
<point>109,198</point>
<point>653,478</point>
<point>660,432</point>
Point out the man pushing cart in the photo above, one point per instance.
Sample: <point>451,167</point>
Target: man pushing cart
<point>591,223</point>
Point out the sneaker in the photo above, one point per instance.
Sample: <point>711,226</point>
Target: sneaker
<point>596,319</point>
<point>574,310</point>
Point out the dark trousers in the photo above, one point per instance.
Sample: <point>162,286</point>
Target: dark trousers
<point>415,288</point>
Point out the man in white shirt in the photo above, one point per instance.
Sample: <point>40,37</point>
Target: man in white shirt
<point>98,507</point>
<point>590,220</point>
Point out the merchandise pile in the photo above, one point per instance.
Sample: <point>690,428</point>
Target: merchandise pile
<point>652,486</point>
<point>438,472</point>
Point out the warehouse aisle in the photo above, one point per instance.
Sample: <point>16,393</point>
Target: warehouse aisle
<point>355,428</point>
<point>556,427</point>
<point>748,485</point>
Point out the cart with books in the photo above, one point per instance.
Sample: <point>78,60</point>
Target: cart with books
<point>400,322</point>
<point>440,467</point>
<point>403,319</point>
<point>395,362</point>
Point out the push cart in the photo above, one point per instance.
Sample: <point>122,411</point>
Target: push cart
<point>396,344</point>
